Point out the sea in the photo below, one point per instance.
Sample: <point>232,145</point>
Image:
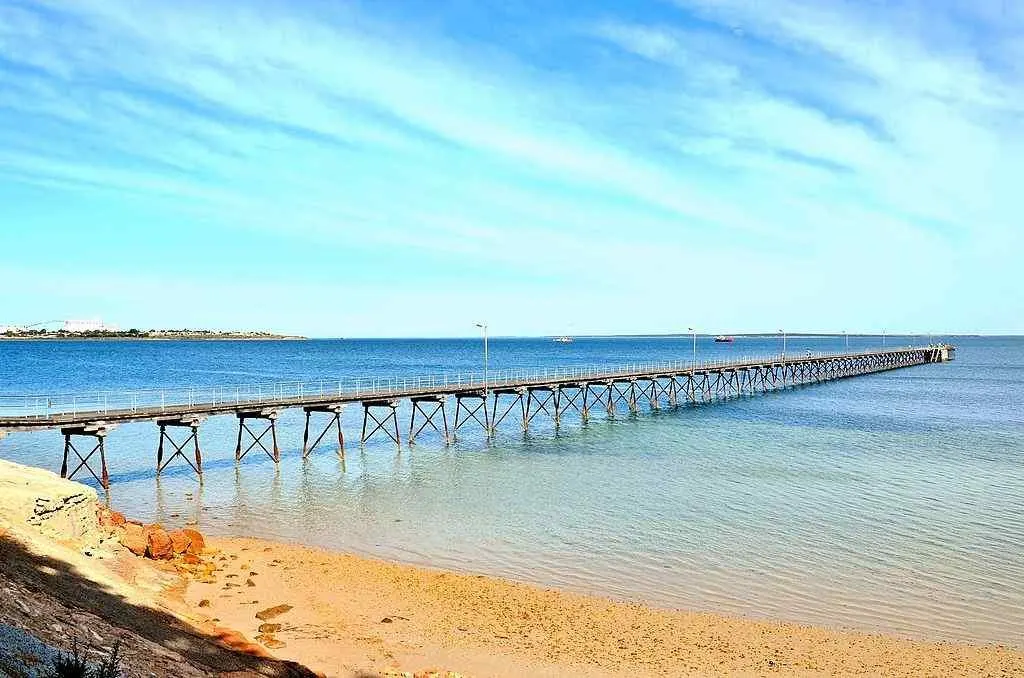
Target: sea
<point>891,502</point>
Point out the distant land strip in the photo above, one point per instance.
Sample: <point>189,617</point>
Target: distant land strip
<point>145,334</point>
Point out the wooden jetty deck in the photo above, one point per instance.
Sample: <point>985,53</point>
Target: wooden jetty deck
<point>480,400</point>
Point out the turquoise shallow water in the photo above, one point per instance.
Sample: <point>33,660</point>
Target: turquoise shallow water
<point>886,502</point>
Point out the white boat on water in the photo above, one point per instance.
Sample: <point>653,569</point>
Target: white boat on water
<point>563,340</point>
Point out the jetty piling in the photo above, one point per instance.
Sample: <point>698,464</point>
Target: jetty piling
<point>391,417</point>
<point>98,432</point>
<point>465,413</point>
<point>191,422</point>
<point>334,420</point>
<point>438,402</point>
<point>268,415</point>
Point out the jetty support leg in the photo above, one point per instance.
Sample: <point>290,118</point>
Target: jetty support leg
<point>571,396</point>
<point>465,413</point>
<point>190,422</point>
<point>334,410</point>
<point>535,405</point>
<point>97,431</point>
<point>268,415</point>
<point>420,405</point>
<point>388,425</point>
<point>517,399</point>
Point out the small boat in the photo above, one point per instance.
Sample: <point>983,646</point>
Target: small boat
<point>563,340</point>
<point>722,339</point>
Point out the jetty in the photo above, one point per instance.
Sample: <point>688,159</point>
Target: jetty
<point>481,400</point>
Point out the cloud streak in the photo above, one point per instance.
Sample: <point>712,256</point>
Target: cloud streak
<point>723,135</point>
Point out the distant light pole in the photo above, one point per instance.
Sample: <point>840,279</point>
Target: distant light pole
<point>846,335</point>
<point>783,333</point>
<point>483,326</point>
<point>694,332</point>
<point>883,338</point>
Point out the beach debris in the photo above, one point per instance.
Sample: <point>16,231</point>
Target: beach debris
<point>269,628</point>
<point>272,612</point>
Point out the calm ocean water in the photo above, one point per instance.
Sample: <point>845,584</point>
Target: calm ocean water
<point>887,502</point>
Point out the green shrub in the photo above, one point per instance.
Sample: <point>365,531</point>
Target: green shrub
<point>73,664</point>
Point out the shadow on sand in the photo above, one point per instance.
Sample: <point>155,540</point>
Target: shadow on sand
<point>47,592</point>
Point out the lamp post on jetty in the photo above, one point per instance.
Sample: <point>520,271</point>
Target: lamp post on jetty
<point>483,326</point>
<point>694,332</point>
<point>783,333</point>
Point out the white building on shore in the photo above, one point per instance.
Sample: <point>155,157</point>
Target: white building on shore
<point>91,325</point>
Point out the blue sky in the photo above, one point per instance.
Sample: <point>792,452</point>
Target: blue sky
<point>409,168</point>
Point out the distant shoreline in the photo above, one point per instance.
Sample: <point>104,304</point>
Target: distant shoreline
<point>162,337</point>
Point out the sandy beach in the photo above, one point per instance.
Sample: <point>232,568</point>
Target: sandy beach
<point>183,605</point>
<point>352,616</point>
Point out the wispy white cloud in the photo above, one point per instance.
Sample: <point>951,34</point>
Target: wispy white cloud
<point>773,140</point>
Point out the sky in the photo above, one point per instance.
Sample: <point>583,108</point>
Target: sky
<point>548,167</point>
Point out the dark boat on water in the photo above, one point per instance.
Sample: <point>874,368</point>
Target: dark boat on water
<point>722,339</point>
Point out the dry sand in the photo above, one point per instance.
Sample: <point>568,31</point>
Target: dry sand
<point>354,616</point>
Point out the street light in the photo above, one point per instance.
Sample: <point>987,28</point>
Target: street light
<point>783,333</point>
<point>694,344</point>
<point>846,335</point>
<point>883,338</point>
<point>483,326</point>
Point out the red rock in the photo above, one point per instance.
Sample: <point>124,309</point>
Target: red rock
<point>158,543</point>
<point>134,539</point>
<point>197,543</point>
<point>191,559</point>
<point>180,542</point>
<point>109,519</point>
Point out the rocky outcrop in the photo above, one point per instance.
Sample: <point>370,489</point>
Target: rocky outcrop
<point>60,509</point>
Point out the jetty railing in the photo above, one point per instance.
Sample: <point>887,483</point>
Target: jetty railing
<point>132,400</point>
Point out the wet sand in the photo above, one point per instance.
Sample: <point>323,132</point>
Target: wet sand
<point>352,616</point>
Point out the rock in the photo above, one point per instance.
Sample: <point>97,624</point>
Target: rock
<point>196,541</point>
<point>386,620</point>
<point>204,603</point>
<point>269,628</point>
<point>110,519</point>
<point>58,508</point>
<point>273,643</point>
<point>158,543</point>
<point>180,542</point>
<point>191,559</point>
<point>250,582</point>
<point>272,612</point>
<point>134,539</point>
